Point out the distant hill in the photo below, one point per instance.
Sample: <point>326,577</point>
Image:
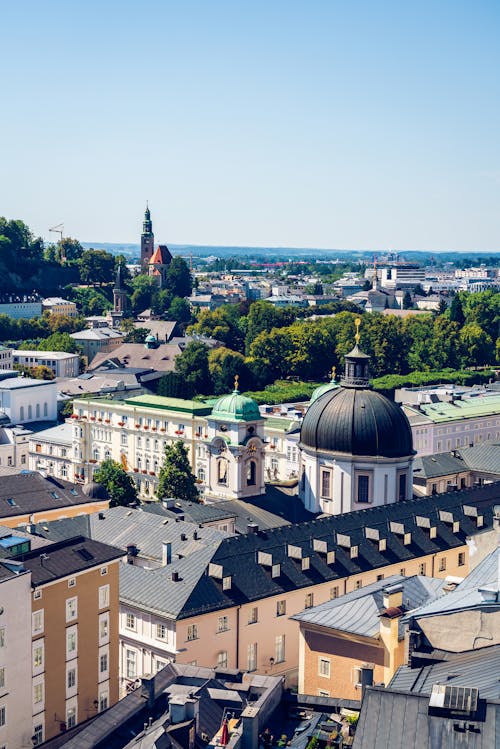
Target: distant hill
<point>132,251</point>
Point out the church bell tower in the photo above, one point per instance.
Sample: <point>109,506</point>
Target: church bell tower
<point>147,240</point>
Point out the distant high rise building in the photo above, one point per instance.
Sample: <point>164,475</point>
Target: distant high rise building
<point>147,239</point>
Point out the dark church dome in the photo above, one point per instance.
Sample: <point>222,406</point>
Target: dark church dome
<point>93,490</point>
<point>357,421</point>
<point>354,419</point>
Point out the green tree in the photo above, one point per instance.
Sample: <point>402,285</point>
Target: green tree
<point>96,267</point>
<point>120,486</point>
<point>192,364</point>
<point>224,365</point>
<point>226,324</point>
<point>457,311</point>
<point>407,302</point>
<point>179,310</point>
<point>59,342</point>
<point>263,317</point>
<point>178,279</point>
<point>176,478</point>
<point>136,335</point>
<point>477,344</point>
<point>144,290</point>
<point>68,249</point>
<point>173,385</point>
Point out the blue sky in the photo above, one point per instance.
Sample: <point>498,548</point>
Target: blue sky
<point>357,124</point>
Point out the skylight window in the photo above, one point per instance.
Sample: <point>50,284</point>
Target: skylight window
<point>11,502</point>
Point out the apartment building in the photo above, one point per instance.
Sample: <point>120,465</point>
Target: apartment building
<point>59,362</point>
<point>225,441</point>
<point>58,306</point>
<point>15,656</point>
<point>462,421</point>
<point>358,638</point>
<point>74,643</point>
<point>95,340</point>
<point>24,399</point>
<point>198,596</point>
<point>28,498</point>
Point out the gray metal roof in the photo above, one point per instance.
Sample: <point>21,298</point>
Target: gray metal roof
<point>122,526</point>
<point>400,720</point>
<point>440,464</point>
<point>466,595</point>
<point>485,457</point>
<point>473,668</point>
<point>358,612</point>
<point>155,591</point>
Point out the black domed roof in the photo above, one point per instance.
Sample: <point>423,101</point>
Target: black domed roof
<point>93,490</point>
<point>357,421</point>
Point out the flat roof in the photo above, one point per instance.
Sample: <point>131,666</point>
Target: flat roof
<point>469,408</point>
<point>44,354</point>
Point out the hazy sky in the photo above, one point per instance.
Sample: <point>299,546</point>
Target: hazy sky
<point>359,124</point>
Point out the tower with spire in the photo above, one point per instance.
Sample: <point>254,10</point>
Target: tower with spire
<point>147,240</point>
<point>119,298</point>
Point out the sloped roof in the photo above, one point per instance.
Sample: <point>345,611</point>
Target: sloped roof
<point>358,612</point>
<point>439,464</point>
<point>25,493</point>
<point>161,256</point>
<point>466,595</point>
<point>136,355</point>
<point>475,668</point>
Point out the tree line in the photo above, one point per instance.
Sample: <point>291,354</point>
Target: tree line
<point>263,344</point>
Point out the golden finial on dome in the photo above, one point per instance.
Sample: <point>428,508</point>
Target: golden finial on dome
<point>357,323</point>
<point>334,373</point>
<point>236,380</point>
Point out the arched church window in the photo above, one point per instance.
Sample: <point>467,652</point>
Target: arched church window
<point>251,473</point>
<point>222,471</point>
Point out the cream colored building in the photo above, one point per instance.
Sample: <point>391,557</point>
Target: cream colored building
<point>225,442</point>
<point>58,306</point>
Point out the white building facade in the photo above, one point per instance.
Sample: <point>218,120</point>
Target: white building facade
<point>24,399</point>
<point>61,363</point>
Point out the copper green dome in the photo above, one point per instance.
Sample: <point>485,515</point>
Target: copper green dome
<point>325,388</point>
<point>236,407</point>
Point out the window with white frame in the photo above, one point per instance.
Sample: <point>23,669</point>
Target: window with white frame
<point>161,631</point>
<point>253,615</point>
<point>309,601</point>
<point>38,656</point>
<point>104,571</point>
<point>131,664</point>
<point>71,677</point>
<point>3,715</point>
<point>103,701</point>
<point>222,659</point>
<point>104,596</point>
<point>252,656</point>
<point>222,624</point>
<point>71,609</point>
<point>37,737</point>
<point>192,632</point>
<point>130,621</point>
<point>70,717</point>
<point>362,487</point>
<point>103,628</point>
<point>71,582</point>
<point>71,642</point>
<point>38,693</point>
<point>324,667</point>
<point>281,607</point>
<point>279,649</point>
<point>103,663</point>
<point>326,484</point>
<point>2,637</point>
<point>2,677</point>
<point>37,622</point>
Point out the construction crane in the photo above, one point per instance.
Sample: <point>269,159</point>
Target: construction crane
<point>58,229</point>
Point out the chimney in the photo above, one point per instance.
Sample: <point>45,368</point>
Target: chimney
<point>195,536</point>
<point>250,733</point>
<point>183,537</point>
<point>393,596</point>
<point>131,553</point>
<point>148,690</point>
<point>166,553</point>
<point>101,516</point>
<point>252,528</point>
<point>175,577</point>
